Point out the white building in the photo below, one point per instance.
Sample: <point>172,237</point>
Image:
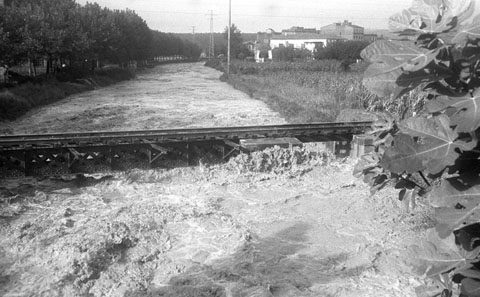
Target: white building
<point>345,29</point>
<point>307,41</point>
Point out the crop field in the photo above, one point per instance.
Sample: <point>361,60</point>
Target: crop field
<point>315,91</point>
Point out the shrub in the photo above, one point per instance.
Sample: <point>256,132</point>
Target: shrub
<point>19,99</point>
<point>215,63</point>
<point>12,105</point>
<point>72,73</point>
<point>341,50</point>
<point>283,54</point>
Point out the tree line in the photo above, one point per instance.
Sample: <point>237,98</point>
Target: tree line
<point>63,31</point>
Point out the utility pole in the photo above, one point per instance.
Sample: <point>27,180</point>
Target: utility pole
<point>211,49</point>
<point>193,33</point>
<point>229,33</point>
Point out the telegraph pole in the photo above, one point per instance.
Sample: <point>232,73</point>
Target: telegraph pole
<point>229,29</point>
<point>211,49</point>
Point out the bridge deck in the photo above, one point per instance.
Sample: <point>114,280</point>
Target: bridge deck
<point>60,153</point>
<point>56,140</point>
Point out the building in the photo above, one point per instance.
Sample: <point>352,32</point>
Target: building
<point>308,41</point>
<point>299,30</point>
<point>264,37</point>
<point>250,45</point>
<point>262,45</point>
<point>345,30</point>
<point>295,37</point>
<point>370,37</point>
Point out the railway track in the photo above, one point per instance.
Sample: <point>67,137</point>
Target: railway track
<point>62,153</point>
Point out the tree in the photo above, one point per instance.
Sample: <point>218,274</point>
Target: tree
<point>101,31</point>
<point>59,32</point>
<point>236,42</point>
<point>62,30</point>
<point>283,53</point>
<point>135,40</point>
<point>345,51</point>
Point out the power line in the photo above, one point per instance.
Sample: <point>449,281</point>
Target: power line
<point>261,15</point>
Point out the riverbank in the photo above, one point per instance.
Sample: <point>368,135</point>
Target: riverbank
<point>18,99</point>
<point>314,91</point>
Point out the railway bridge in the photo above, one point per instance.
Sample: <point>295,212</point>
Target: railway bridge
<point>87,152</point>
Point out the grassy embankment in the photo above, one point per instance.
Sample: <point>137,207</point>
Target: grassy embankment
<point>16,100</point>
<point>313,91</point>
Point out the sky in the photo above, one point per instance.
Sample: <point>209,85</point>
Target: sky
<point>251,16</point>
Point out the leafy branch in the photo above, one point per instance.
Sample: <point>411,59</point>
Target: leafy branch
<point>436,154</point>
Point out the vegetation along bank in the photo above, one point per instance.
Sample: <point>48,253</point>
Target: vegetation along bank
<point>63,47</point>
<point>314,90</point>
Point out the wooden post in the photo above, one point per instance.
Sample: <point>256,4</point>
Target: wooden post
<point>229,33</point>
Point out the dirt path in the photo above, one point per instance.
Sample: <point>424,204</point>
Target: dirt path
<point>168,96</point>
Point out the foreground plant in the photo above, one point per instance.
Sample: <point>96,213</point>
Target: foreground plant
<point>436,154</point>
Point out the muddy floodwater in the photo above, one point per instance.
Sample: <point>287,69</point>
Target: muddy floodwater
<point>278,223</point>
<point>168,96</point>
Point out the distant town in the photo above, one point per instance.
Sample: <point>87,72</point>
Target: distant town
<point>307,38</point>
<point>101,36</point>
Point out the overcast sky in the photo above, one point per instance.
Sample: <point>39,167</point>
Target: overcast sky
<point>251,16</point>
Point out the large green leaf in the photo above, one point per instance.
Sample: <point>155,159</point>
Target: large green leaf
<point>424,144</point>
<point>403,156</point>
<point>468,26</point>
<point>450,219</point>
<point>470,287</point>
<point>453,21</point>
<point>398,54</point>
<point>435,256</point>
<point>467,110</point>
<point>431,16</point>
<point>457,204</point>
<point>453,192</point>
<point>399,66</point>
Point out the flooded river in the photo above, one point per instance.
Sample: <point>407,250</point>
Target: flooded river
<point>301,229</point>
<point>168,96</point>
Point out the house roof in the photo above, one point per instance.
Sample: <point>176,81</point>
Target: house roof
<point>300,30</point>
<point>344,24</point>
<point>355,26</point>
<point>306,36</point>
